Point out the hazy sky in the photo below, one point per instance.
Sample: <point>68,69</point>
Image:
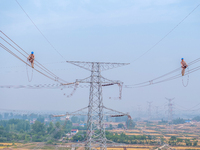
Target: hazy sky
<point>100,30</point>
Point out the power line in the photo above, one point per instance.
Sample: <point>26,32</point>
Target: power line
<point>8,50</point>
<point>42,86</point>
<point>40,31</point>
<point>126,86</point>
<point>25,54</point>
<point>46,70</point>
<point>47,63</point>
<point>22,50</point>
<point>189,64</point>
<point>168,79</point>
<point>150,82</point>
<point>27,111</point>
<point>189,109</point>
<point>166,34</point>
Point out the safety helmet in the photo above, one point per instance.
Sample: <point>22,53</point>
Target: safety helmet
<point>181,58</point>
<point>32,52</point>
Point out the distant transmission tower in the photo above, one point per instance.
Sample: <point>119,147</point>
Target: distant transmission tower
<point>139,111</point>
<point>95,136</point>
<point>170,115</point>
<point>149,111</point>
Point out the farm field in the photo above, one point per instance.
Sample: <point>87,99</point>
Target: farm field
<point>65,146</point>
<point>182,132</point>
<point>34,145</point>
<point>186,131</point>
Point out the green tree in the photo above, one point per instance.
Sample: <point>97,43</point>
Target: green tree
<point>195,143</point>
<point>57,124</point>
<point>58,134</point>
<point>172,140</point>
<point>188,142</point>
<point>162,140</point>
<point>27,138</point>
<point>37,138</point>
<point>179,140</point>
<point>130,124</point>
<point>110,126</point>
<point>24,117</point>
<point>120,126</point>
<point>197,118</point>
<point>50,128</point>
<point>67,126</point>
<point>75,119</point>
<point>21,131</point>
<point>77,138</point>
<point>40,119</point>
<point>38,127</point>
<point>6,115</point>
<point>179,121</point>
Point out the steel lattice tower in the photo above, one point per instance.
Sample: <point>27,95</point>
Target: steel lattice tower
<point>95,123</point>
<point>170,115</point>
<point>149,111</point>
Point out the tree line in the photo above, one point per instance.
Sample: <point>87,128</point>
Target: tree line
<point>16,130</point>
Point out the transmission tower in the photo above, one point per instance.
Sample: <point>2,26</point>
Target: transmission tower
<point>95,136</point>
<point>170,114</point>
<point>149,110</point>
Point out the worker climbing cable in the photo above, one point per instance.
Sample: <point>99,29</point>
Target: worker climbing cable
<point>183,66</point>
<point>31,59</point>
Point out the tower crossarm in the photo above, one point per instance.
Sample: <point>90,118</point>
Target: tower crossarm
<point>112,82</point>
<point>104,81</point>
<point>85,80</point>
<point>80,112</point>
<point>114,113</point>
<point>103,65</point>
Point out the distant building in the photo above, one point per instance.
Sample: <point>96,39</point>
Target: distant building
<point>74,131</point>
<point>82,124</point>
<point>187,121</point>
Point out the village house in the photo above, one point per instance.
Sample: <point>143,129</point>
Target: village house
<point>74,131</point>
